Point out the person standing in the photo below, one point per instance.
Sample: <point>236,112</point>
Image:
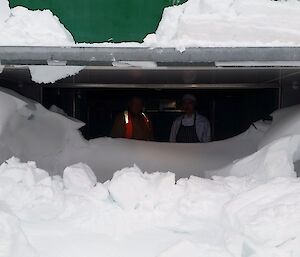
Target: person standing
<point>190,127</point>
<point>133,123</point>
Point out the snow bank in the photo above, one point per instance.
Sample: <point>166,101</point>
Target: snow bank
<point>228,23</point>
<point>140,214</point>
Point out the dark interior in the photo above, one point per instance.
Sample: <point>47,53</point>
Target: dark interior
<point>230,111</point>
<point>231,98</point>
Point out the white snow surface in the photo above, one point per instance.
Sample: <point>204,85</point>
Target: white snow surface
<point>196,23</point>
<point>22,27</point>
<point>228,23</point>
<point>43,74</point>
<point>250,207</point>
<point>143,214</point>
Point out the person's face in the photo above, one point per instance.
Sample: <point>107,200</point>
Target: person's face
<point>188,106</point>
<point>136,105</point>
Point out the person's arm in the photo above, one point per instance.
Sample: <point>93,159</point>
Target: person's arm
<point>174,131</point>
<point>118,128</point>
<point>203,129</point>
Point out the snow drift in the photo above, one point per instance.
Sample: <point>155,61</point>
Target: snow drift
<point>228,23</point>
<point>250,207</point>
<point>53,141</point>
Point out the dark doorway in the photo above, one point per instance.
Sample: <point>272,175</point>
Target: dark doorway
<point>230,111</point>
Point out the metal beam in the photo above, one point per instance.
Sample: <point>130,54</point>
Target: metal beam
<point>110,56</point>
<point>166,86</point>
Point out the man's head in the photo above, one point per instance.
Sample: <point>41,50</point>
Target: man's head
<point>136,105</point>
<point>189,103</point>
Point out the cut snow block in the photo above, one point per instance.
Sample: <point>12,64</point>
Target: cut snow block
<point>128,187</point>
<point>79,177</point>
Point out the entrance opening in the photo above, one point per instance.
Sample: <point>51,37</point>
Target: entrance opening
<point>230,111</point>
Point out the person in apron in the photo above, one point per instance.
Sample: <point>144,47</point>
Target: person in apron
<point>187,134</point>
<point>190,127</point>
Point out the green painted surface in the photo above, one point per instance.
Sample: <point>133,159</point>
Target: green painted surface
<point>104,20</point>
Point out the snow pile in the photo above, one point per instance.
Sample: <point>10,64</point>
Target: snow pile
<point>228,23</point>
<point>248,208</point>
<point>31,132</point>
<point>140,214</point>
<point>22,27</point>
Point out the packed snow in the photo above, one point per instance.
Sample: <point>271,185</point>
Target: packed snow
<point>246,206</point>
<point>228,23</point>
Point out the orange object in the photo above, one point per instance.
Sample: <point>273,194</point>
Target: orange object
<point>129,124</point>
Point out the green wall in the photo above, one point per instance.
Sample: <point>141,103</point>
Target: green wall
<point>104,20</point>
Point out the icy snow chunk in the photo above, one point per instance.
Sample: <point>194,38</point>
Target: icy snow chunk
<point>50,74</point>
<point>131,188</point>
<point>79,177</point>
<point>127,187</point>
<point>26,173</point>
